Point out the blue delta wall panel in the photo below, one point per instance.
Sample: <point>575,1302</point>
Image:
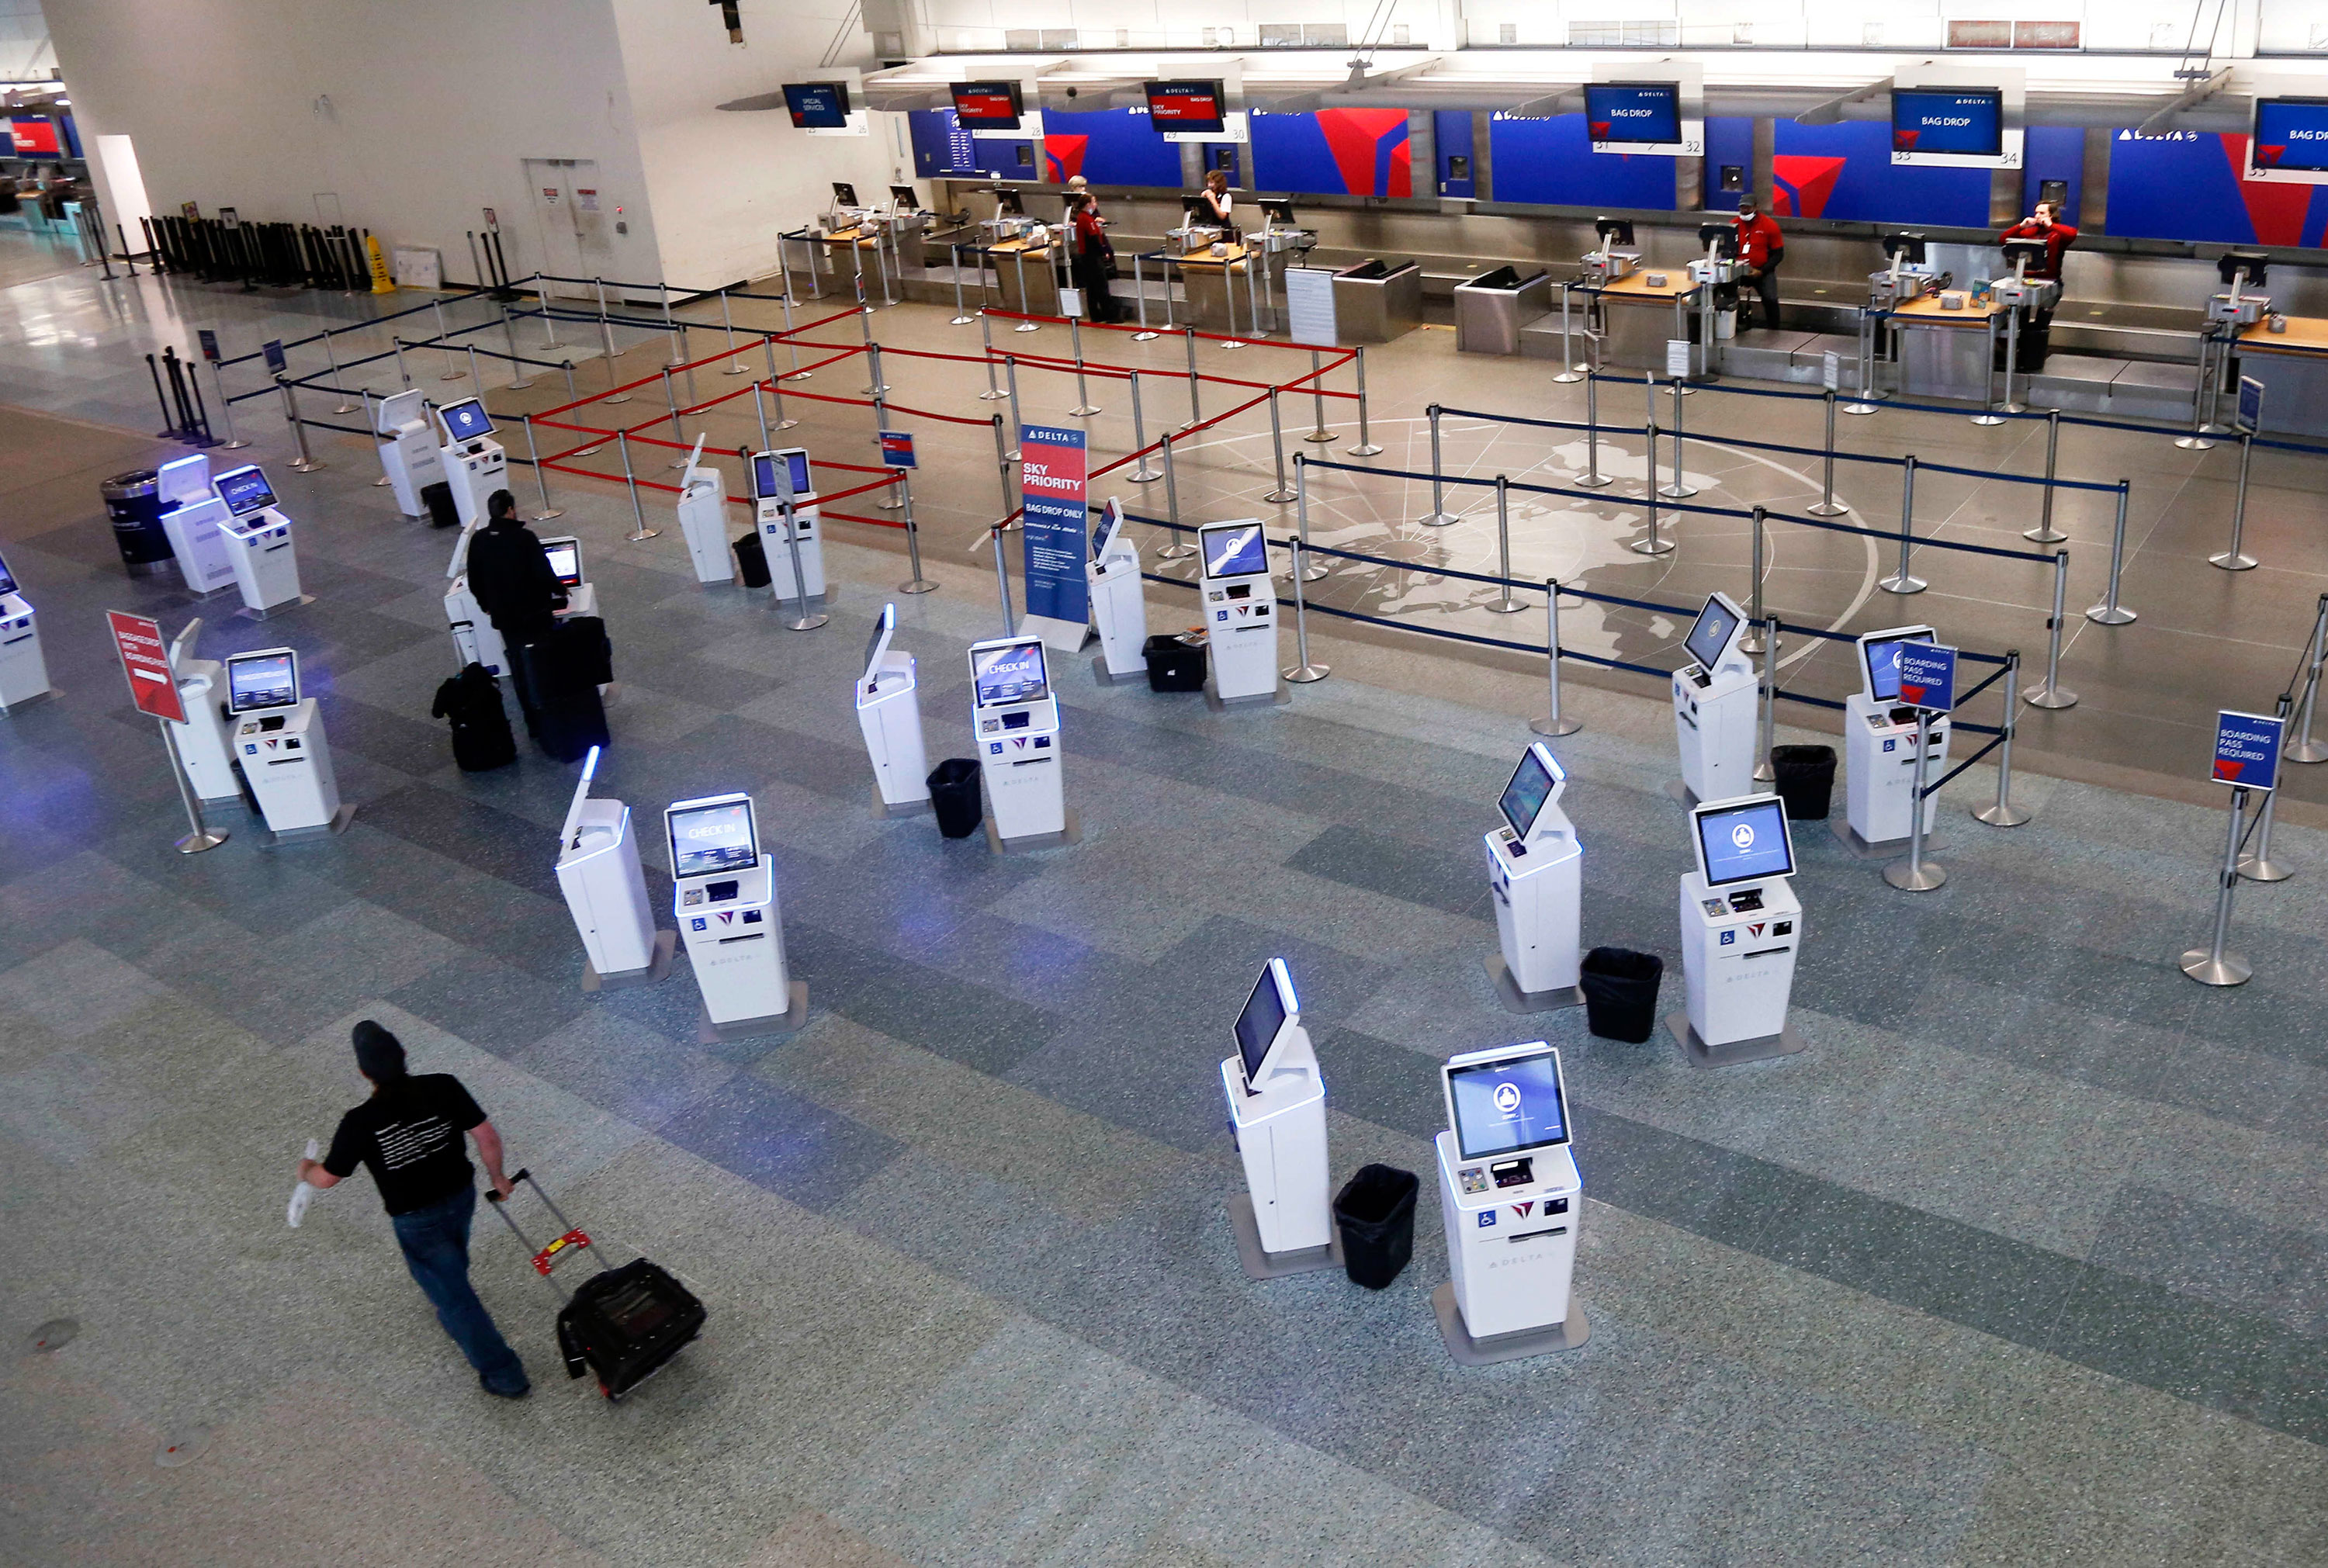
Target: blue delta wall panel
<point>1552,162</point>
<point>2055,153</point>
<point>2188,185</point>
<point>1451,131</point>
<point>1113,146</point>
<point>1844,172</point>
<point>1334,152</point>
<point>1729,139</point>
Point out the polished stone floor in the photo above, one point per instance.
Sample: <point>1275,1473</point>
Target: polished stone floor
<point>2019,1261</point>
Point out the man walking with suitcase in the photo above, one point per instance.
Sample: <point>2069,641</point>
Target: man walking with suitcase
<point>410,1134</point>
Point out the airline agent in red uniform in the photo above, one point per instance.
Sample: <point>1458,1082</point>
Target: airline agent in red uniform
<point>2037,325</point>
<point>1760,249</point>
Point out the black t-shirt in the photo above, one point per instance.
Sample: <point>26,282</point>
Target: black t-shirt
<point>409,1132</point>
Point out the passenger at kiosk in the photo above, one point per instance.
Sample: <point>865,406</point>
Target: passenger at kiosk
<point>1760,249</point>
<point>1091,258</point>
<point>511,577</point>
<point>2037,322</point>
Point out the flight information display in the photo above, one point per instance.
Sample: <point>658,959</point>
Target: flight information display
<point>714,837</point>
<point>1745,843</point>
<point>1633,111</point>
<point>988,106</point>
<point>1712,634</point>
<point>261,681</point>
<point>244,491</point>
<point>818,106</point>
<point>1234,551</point>
<point>468,420</point>
<point>2292,133</point>
<point>1185,105</point>
<point>1012,673</point>
<point>1965,121</point>
<point>1531,786</point>
<point>1508,1105</point>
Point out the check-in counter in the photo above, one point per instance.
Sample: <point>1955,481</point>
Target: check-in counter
<point>1376,301</point>
<point>1218,293</point>
<point>1024,273</point>
<point>1491,308</point>
<point>1639,316</point>
<point>2293,366</point>
<point>1946,353</point>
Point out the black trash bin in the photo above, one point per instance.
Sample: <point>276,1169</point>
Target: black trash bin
<point>751,558</point>
<point>1174,665</point>
<point>1806,780</point>
<point>1620,992</point>
<point>436,500</point>
<point>133,501</point>
<point>1375,1213</point>
<point>954,796</point>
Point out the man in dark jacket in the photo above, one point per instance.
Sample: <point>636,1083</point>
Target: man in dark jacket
<point>410,1134</point>
<point>509,574</point>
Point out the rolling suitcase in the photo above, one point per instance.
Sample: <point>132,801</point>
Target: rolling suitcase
<point>624,1324</point>
<point>562,709</point>
<point>587,650</point>
<point>481,727</point>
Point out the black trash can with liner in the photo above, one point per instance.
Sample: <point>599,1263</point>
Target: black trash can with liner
<point>437,500</point>
<point>1806,780</point>
<point>1174,665</point>
<point>1375,1214</point>
<point>1620,992</point>
<point>133,503</point>
<point>752,559</point>
<point>954,797</point>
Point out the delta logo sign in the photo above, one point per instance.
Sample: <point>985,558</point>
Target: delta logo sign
<point>1065,157</point>
<point>1804,182</point>
<point>1370,149</point>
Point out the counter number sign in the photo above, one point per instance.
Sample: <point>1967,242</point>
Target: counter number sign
<point>1928,676</point>
<point>897,449</point>
<point>277,360</point>
<point>146,663</point>
<point>2246,749</point>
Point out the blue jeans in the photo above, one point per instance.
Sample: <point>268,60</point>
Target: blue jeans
<point>436,1242</point>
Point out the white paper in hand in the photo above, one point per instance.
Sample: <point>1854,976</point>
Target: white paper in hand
<point>303,1194</point>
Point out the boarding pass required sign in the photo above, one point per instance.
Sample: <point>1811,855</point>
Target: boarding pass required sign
<point>1928,676</point>
<point>146,663</point>
<point>2246,749</point>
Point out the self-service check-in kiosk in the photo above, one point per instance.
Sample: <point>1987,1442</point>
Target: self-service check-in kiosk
<point>783,509</point>
<point>1535,873</point>
<point>1118,605</point>
<point>1016,719</point>
<point>1239,605</point>
<point>409,453</point>
<point>258,543</point>
<point>703,519</point>
<point>889,712</point>
<point>193,517</point>
<point>1511,1200</point>
<point>205,741</point>
<point>474,464</point>
<point>279,744</point>
<point>1741,927</point>
<point>724,895</point>
<point>475,639</point>
<point>1283,1220</point>
<point>605,891</point>
<point>1879,751</point>
<point>1713,705</point>
<point>24,669</point>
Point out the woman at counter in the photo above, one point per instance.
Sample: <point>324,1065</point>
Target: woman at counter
<point>1090,257</point>
<point>1218,203</point>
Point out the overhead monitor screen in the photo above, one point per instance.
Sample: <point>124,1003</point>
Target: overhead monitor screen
<point>468,420</point>
<point>1745,843</point>
<point>1969,121</point>
<point>818,106</point>
<point>1235,551</point>
<point>1712,634</point>
<point>2292,133</point>
<point>1531,786</point>
<point>1884,666</point>
<point>763,471</point>
<point>1010,673</point>
<point>1264,1014</point>
<point>713,838</point>
<point>244,491</point>
<point>565,559</point>
<point>260,680</point>
<point>1185,105</point>
<point>1508,1105</point>
<point>8,579</point>
<point>988,106</point>
<point>1633,111</point>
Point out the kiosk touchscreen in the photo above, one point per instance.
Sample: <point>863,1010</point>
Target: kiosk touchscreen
<point>1240,612</point>
<point>1879,750</point>
<point>205,741</point>
<point>724,893</point>
<point>24,669</point>
<point>1510,1200</point>
<point>782,488</point>
<point>258,539</point>
<point>474,461</point>
<point>1740,925</point>
<point>605,891</point>
<point>1713,704</point>
<point>192,516</point>
<point>889,713</point>
<point>1277,1111</point>
<point>1119,608</point>
<point>1014,718</point>
<point>409,454</point>
<point>279,744</point>
<point>703,519</point>
<point>1535,873</point>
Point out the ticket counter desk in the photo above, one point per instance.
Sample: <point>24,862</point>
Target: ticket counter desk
<point>1946,353</point>
<point>1376,301</point>
<point>1219,294</point>
<point>2293,366</point>
<point>1026,273</point>
<point>1639,318</point>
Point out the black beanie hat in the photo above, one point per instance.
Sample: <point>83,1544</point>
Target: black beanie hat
<point>378,1053</point>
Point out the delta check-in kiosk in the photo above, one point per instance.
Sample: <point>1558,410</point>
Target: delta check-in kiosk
<point>605,891</point>
<point>279,744</point>
<point>1741,927</point>
<point>24,669</point>
<point>1119,606</point>
<point>1277,1111</point>
<point>205,741</point>
<point>1879,750</point>
<point>408,453</point>
<point>889,712</point>
<point>724,895</point>
<point>1240,603</point>
<point>475,639</point>
<point>1015,719</point>
<point>703,519</point>
<point>474,464</point>
<point>1713,705</point>
<point>1510,1200</point>
<point>1535,873</point>
<point>258,543</point>
<point>783,509</point>
<point>194,518</point>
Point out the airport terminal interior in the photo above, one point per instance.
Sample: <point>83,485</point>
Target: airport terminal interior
<point>1444,783</point>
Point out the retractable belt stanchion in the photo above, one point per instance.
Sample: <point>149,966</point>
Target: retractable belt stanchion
<point>2045,532</point>
<point>796,374</point>
<point>643,532</point>
<point>445,343</point>
<point>2004,814</point>
<point>2257,864</point>
<point>1826,506</point>
<point>2109,611</point>
<point>1681,489</point>
<point>1440,516</point>
<point>1140,298</point>
<point>332,359</point>
<point>2196,441</point>
<point>1366,446</point>
<point>1901,580</point>
<point>1195,409</point>
<point>1303,671</point>
<point>1765,770</point>
<point>1302,563</point>
<point>1554,723</point>
<point>1866,388</point>
<point>1010,380</point>
<point>1915,874</point>
<point>607,332</point>
<point>396,346</point>
<point>915,584</point>
<point>306,463</point>
<point>1591,478</point>
<point>736,366</point>
<point>1141,474</point>
<point>1084,408</point>
<point>993,394</point>
<point>1317,431</point>
<point>671,403</point>
<point>517,365</point>
<point>2236,560</point>
<point>233,442</point>
<point>962,317</point>
<point>1174,549</point>
<point>1568,371</point>
<point>2306,749</point>
<point>1652,544</point>
<point>1505,603</point>
<point>2210,965</point>
<point>1752,643</point>
<point>1282,493</point>
<point>540,478</point>
<point>2050,693</point>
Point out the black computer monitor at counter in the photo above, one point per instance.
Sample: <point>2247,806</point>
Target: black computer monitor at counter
<point>795,469</point>
<point>1743,841</point>
<point>260,681</point>
<point>1908,248</point>
<point>1617,232</point>
<point>1507,1104</point>
<point>1267,1011</point>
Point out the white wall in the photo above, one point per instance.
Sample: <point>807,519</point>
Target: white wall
<point>24,51</point>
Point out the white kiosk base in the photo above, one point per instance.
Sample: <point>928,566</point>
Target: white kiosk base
<point>1510,1219</point>
<point>1119,606</point>
<point>889,715</point>
<point>289,771</point>
<point>1737,971</point>
<point>1879,762</point>
<point>23,671</point>
<point>1283,1220</point>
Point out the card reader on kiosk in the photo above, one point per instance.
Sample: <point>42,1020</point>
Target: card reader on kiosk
<point>205,741</point>
<point>474,464</point>
<point>258,539</point>
<point>1535,872</point>
<point>193,517</point>
<point>605,891</point>
<point>409,454</point>
<point>1119,606</point>
<point>1879,747</point>
<point>889,712</point>
<point>1713,704</point>
<point>1015,719</point>
<point>1510,1200</point>
<point>778,477</point>
<point>1741,927</point>
<point>1283,1219</point>
<point>1240,608</point>
<point>279,744</point>
<point>724,895</point>
<point>23,669</point>
<point>703,519</point>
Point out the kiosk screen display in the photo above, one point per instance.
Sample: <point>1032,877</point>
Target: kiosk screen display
<point>468,420</point>
<point>1256,1027</point>
<point>1633,111</point>
<point>883,624</point>
<point>988,106</point>
<point>1507,1106</point>
<point>245,491</point>
<point>1745,843</point>
<point>763,472</point>
<point>1010,673</point>
<point>2292,133</point>
<point>1185,105</point>
<point>1884,666</point>
<point>260,680</point>
<point>818,106</point>
<point>1238,550</point>
<point>716,838</point>
<point>1524,797</point>
<point>1712,634</point>
<point>565,559</point>
<point>1105,530</point>
<point>8,579</point>
<point>1969,121</point>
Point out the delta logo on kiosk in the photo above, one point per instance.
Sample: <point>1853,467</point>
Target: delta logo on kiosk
<point>1741,835</point>
<point>1508,1099</point>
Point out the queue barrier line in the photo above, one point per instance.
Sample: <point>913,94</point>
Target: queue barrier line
<point>1001,314</point>
<point>331,331</point>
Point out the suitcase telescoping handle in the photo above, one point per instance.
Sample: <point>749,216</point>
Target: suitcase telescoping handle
<point>570,1239</point>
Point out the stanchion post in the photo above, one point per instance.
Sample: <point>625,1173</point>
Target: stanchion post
<point>1317,431</point>
<point>2050,694</point>
<point>2045,532</point>
<point>2109,611</point>
<point>306,463</point>
<point>993,394</point>
<point>1440,516</point>
<point>540,479</point>
<point>1654,544</point>
<point>1302,516</point>
<point>2306,749</point>
<point>1303,671</point>
<point>915,584</point>
<point>791,345</point>
<point>1554,723</point>
<point>1366,446</point>
<point>1591,478</point>
<point>803,619</point>
<point>1765,770</point>
<point>1752,643</point>
<point>1010,377</point>
<point>2004,814</point>
<point>234,443</point>
<point>2257,864</point>
<point>641,533</point>
<point>760,412</point>
<point>1568,371</point>
<point>2236,560</point>
<point>332,358</point>
<point>1283,493</point>
<point>1084,408</point>
<point>1174,549</point>
<point>1901,580</point>
<point>606,332</point>
<point>1141,474</point>
<point>1196,407</point>
<point>2196,441</point>
<point>671,403</point>
<point>1505,603</point>
<point>445,343</point>
<point>2210,965</point>
<point>962,317</point>
<point>198,838</point>
<point>517,365</point>
<point>1915,874</point>
<point>1681,489</point>
<point>1825,505</point>
<point>736,366</point>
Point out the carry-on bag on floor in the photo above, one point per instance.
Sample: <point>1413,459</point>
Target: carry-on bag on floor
<point>588,650</point>
<point>624,1324</point>
<point>564,711</point>
<point>481,726</point>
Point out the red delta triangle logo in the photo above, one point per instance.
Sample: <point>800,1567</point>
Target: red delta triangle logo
<point>2275,210</point>
<point>1910,694</point>
<point>1904,141</point>
<point>2227,770</point>
<point>1065,157</point>
<point>1371,149</point>
<point>1804,182</point>
<point>1597,129</point>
